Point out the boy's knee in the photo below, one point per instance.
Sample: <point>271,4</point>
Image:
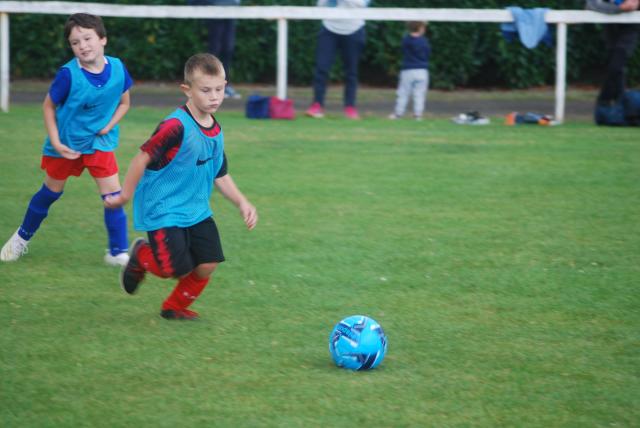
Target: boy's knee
<point>205,269</point>
<point>43,199</point>
<point>54,185</point>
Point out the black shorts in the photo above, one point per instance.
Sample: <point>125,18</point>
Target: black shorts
<point>178,250</point>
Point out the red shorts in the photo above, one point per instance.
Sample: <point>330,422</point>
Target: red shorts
<point>99,164</point>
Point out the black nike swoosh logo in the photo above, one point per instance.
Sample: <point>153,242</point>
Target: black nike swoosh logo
<point>202,162</point>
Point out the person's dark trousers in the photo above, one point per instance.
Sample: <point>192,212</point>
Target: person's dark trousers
<point>621,40</point>
<point>222,40</point>
<point>350,47</point>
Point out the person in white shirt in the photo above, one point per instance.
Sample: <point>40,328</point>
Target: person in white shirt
<point>348,37</point>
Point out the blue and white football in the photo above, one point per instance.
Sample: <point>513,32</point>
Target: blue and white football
<point>358,343</point>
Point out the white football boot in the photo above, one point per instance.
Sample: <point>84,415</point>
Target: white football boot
<point>14,248</point>
<point>118,260</point>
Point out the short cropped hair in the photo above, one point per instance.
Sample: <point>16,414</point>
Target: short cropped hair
<point>205,62</point>
<point>85,20</point>
<point>414,26</point>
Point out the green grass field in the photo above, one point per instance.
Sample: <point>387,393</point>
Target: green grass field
<point>502,262</point>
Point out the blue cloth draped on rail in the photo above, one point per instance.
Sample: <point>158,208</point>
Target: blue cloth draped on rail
<point>529,25</point>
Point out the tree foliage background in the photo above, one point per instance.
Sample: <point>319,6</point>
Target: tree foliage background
<point>463,54</point>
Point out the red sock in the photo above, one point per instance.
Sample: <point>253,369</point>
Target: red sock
<point>148,262</point>
<point>188,289</point>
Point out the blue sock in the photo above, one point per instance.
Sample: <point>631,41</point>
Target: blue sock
<point>116,222</point>
<point>37,211</point>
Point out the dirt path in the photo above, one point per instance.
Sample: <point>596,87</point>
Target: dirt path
<point>371,101</point>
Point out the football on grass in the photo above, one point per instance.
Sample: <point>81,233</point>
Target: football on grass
<point>357,343</point>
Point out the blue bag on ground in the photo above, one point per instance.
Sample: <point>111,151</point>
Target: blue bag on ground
<point>611,114</point>
<point>631,104</point>
<point>625,112</point>
<point>257,107</point>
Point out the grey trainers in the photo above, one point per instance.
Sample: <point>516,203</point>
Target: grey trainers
<point>14,248</point>
<point>231,93</point>
<point>471,118</point>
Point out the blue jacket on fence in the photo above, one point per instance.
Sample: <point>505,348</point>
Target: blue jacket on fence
<point>529,24</point>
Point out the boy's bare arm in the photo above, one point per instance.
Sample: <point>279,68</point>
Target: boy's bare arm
<point>121,110</point>
<point>229,190</point>
<point>136,170</point>
<point>49,112</point>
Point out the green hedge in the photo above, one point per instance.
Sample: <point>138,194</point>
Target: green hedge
<point>464,54</point>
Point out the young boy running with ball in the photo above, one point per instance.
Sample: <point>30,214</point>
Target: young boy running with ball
<point>87,99</point>
<point>171,180</point>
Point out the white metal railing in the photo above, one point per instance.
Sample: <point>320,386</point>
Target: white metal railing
<point>284,13</point>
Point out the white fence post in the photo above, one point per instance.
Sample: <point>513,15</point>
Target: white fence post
<point>4,62</point>
<point>561,70</point>
<point>282,58</point>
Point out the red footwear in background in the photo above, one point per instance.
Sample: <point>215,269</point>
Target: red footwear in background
<point>315,110</point>
<point>351,112</point>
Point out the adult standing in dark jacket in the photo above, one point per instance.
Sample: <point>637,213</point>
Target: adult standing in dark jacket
<point>621,40</point>
<point>221,39</point>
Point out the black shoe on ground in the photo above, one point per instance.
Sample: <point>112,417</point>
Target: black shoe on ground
<point>132,273</point>
<point>185,314</point>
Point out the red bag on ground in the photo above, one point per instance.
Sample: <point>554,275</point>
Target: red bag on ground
<point>281,109</point>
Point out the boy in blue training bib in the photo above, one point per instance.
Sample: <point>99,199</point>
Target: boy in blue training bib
<point>171,180</point>
<point>87,99</point>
